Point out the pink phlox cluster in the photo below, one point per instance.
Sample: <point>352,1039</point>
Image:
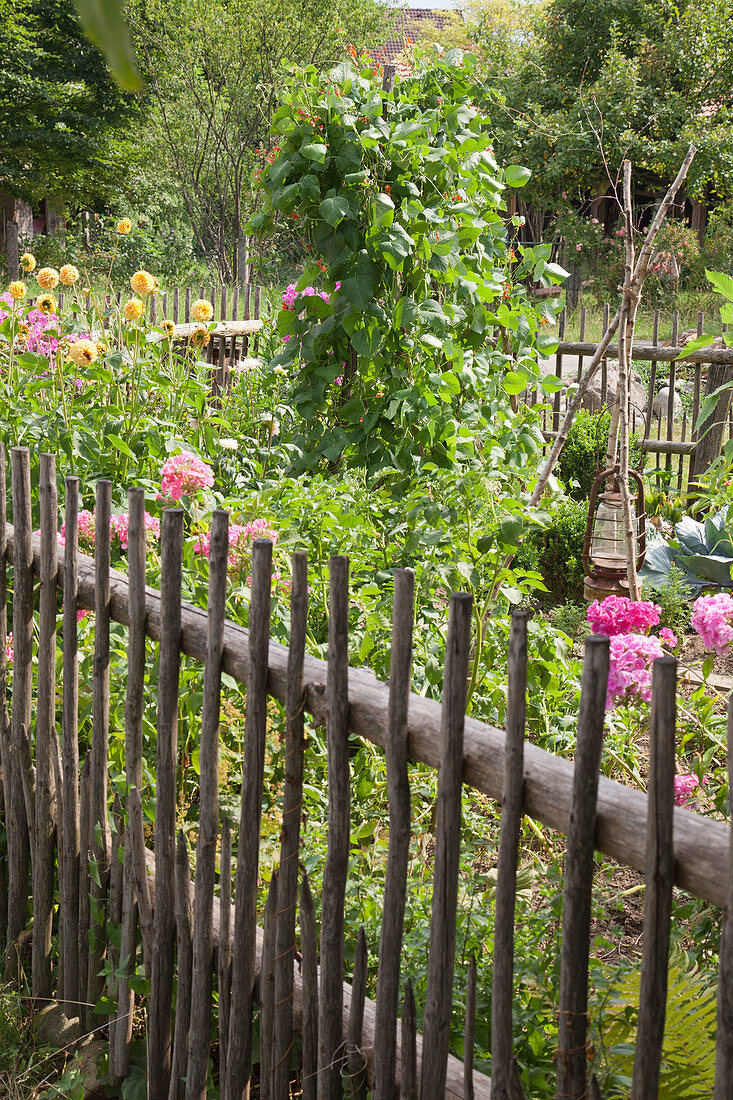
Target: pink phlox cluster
<point>119,528</point>
<point>87,532</point>
<point>9,648</point>
<point>241,537</point>
<point>712,618</point>
<point>686,788</point>
<point>620,615</point>
<point>292,292</point>
<point>630,667</point>
<point>184,475</point>
<point>38,323</point>
<point>668,637</point>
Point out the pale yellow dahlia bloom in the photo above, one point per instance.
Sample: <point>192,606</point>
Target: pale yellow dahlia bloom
<point>46,303</point>
<point>17,290</point>
<point>200,336</point>
<point>28,262</point>
<point>201,310</point>
<point>142,282</point>
<point>48,278</point>
<point>68,274</point>
<point>83,352</point>
<point>168,327</point>
<point>132,309</point>
<point>124,226</point>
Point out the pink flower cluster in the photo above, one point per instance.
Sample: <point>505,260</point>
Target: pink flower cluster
<point>184,475</point>
<point>685,786</point>
<point>712,618</point>
<point>87,532</point>
<point>630,667</point>
<point>620,615</point>
<point>241,538</point>
<point>292,292</point>
<point>9,648</point>
<point>118,527</point>
<point>38,324</point>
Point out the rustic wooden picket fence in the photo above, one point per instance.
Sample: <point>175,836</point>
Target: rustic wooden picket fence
<point>58,814</point>
<point>686,450</point>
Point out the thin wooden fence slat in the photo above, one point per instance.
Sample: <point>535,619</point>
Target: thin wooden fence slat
<point>470,1029</point>
<point>659,878</point>
<point>671,385</point>
<point>439,993</point>
<point>724,1028</point>
<point>287,895</point>
<point>133,766</point>
<point>223,306</point>
<point>558,373</point>
<point>235,308</point>
<point>175,306</point>
<point>247,298</point>
<point>398,787</point>
<point>572,1058</point>
<point>85,848</point>
<point>581,337</point>
<point>28,779</point>
<point>70,825</point>
<point>356,1063</point>
<point>164,305</point>
<point>604,361</point>
<point>408,1090</point>
<point>140,867</point>
<point>187,306</point>
<point>4,721</point>
<point>224,954</point>
<point>184,922</point>
<point>245,909</point>
<point>330,1003</point>
<point>258,302</point>
<point>153,310</point>
<point>267,990</point>
<point>100,739</point>
<point>16,821</point>
<point>505,1082</point>
<point>309,967</point>
<point>166,762</point>
<point>652,378</point>
<point>115,915</point>
<point>208,829</point>
<point>45,842</point>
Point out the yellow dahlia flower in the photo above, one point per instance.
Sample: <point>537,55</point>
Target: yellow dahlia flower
<point>142,282</point>
<point>83,352</point>
<point>132,309</point>
<point>17,290</point>
<point>68,274</point>
<point>28,262</point>
<point>23,331</point>
<point>124,226</point>
<point>168,327</point>
<point>200,336</point>
<point>48,278</point>
<point>201,310</point>
<point>46,303</point>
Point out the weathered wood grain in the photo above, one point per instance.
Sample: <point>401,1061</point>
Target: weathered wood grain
<point>724,1029</point>
<point>70,823</point>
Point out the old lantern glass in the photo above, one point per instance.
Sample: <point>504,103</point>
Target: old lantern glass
<point>604,549</point>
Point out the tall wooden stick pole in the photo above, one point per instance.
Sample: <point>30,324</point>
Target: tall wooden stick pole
<point>628,311</point>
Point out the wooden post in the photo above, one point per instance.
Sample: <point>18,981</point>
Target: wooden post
<point>355,1060</point>
<point>203,905</point>
<point>140,868</point>
<point>330,1006</point>
<point>100,739</point>
<point>245,914</point>
<point>505,1084</point>
<point>309,964</point>
<point>671,386</point>
<point>16,820</point>
<point>290,832</point>
<point>133,767</point>
<point>408,1089</point>
<point>85,848</point>
<point>175,306</point>
<point>724,1029</point>
<point>470,1029</point>
<point>45,840</point>
<point>115,913</point>
<point>70,828</point>
<point>267,991</point>
<point>187,306</point>
<point>572,1060</point>
<point>12,249</point>
<point>558,373</point>
<point>166,760</point>
<point>398,786</point>
<point>652,378</point>
<point>184,921</point>
<point>224,954</point>
<point>439,994</point>
<point>659,878</point>
<point>4,721</point>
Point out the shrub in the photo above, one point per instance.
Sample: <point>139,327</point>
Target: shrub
<point>557,552</point>
<point>585,449</point>
<point>674,598</point>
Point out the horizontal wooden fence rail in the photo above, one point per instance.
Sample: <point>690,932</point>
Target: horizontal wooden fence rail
<point>700,845</point>
<point>650,352</point>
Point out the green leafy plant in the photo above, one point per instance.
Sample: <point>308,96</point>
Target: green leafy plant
<point>701,551</point>
<point>557,551</point>
<point>674,600</point>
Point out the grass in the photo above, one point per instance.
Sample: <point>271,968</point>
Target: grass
<point>687,302</point>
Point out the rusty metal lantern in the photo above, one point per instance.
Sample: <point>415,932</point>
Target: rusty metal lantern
<point>604,547</point>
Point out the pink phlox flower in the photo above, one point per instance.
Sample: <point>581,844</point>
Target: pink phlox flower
<point>339,380</point>
<point>87,532</point>
<point>184,475</point>
<point>241,537</point>
<point>687,787</point>
<point>712,618</point>
<point>630,667</point>
<point>291,293</point>
<point>119,528</point>
<point>9,648</point>
<point>668,637</point>
<point>620,615</point>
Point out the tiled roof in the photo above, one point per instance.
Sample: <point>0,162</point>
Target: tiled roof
<point>407,25</point>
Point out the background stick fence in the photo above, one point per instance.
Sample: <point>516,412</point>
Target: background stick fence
<point>164,916</point>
